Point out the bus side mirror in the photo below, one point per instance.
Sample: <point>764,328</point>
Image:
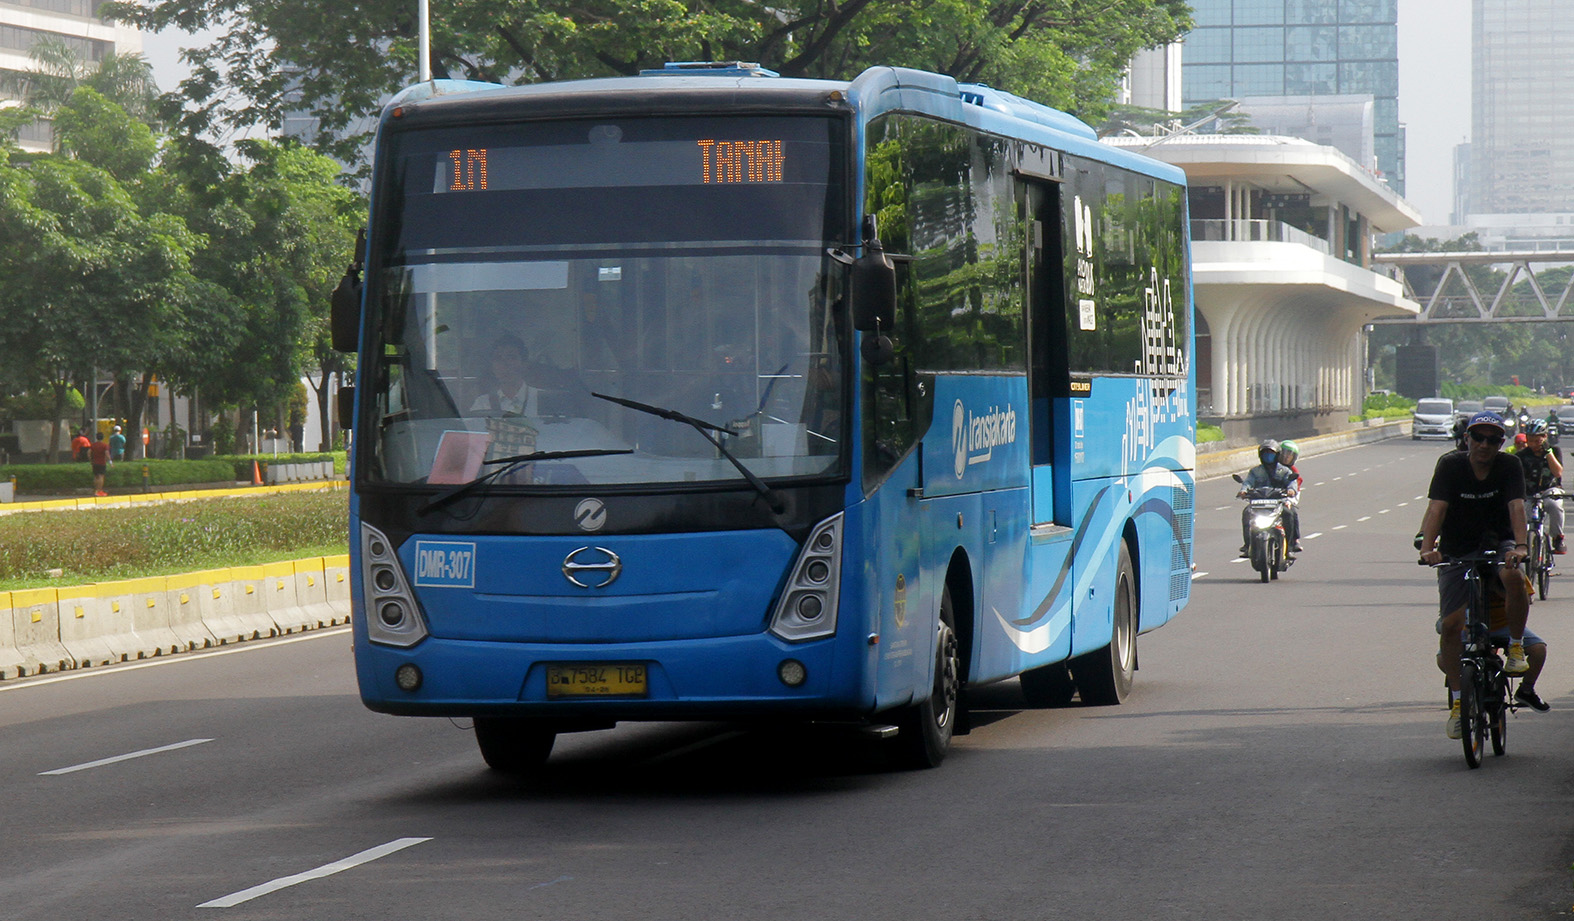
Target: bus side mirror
<point>344,321</point>
<point>346,406</point>
<point>874,289</point>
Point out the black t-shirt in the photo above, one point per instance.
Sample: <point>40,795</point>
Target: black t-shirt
<point>1538,475</point>
<point>1477,517</point>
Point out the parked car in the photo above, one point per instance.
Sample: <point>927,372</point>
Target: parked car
<point>1433,418</point>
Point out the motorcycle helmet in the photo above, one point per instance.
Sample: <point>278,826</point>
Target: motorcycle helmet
<point>1268,451</point>
<point>1288,452</point>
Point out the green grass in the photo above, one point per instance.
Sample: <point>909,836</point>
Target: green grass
<point>126,543</point>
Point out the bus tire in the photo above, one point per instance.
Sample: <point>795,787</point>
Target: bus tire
<point>1048,685</point>
<point>1105,676</point>
<point>513,746</point>
<point>925,728</point>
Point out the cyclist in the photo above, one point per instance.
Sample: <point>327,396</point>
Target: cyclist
<point>1543,465</point>
<point>1269,472</point>
<point>1477,500</point>
<point>1289,453</point>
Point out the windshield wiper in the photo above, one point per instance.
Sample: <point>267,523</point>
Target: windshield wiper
<point>705,429</point>
<point>507,464</point>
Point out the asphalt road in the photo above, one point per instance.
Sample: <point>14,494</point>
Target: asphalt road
<point>1283,757</point>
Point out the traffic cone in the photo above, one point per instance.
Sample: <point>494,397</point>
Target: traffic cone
<point>256,474</point>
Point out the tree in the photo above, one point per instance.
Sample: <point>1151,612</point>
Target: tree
<point>88,275</point>
<point>337,61</point>
<point>278,228</point>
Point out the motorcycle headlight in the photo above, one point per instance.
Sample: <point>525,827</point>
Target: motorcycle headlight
<point>1262,521</point>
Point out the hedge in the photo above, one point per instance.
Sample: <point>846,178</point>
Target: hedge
<point>50,479</point>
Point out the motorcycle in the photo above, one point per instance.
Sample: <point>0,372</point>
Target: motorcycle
<point>1269,546</point>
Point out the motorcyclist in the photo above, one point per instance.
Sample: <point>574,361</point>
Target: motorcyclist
<point>1543,465</point>
<point>1273,474</point>
<point>1289,453</point>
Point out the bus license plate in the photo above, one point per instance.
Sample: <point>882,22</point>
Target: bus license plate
<point>596,679</point>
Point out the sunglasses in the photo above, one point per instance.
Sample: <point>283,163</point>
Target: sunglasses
<point>1486,439</point>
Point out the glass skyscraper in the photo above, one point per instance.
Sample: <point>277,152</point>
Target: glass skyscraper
<point>1278,48</point>
<point>1522,122</point>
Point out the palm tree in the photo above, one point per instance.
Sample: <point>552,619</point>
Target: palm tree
<point>126,79</point>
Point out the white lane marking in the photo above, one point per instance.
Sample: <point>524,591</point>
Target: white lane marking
<point>1383,511</point>
<point>1197,575</point>
<point>126,757</point>
<point>338,866</point>
<point>1403,504</point>
<point>1221,508</point>
<point>1338,478</point>
<point>1311,535</point>
<point>1340,527</point>
<point>251,646</point>
<point>1318,484</point>
<point>1365,518</point>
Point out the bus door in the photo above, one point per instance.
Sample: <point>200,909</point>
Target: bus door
<point>1046,294</point>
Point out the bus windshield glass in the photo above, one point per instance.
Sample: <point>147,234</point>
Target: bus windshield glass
<point>522,270</point>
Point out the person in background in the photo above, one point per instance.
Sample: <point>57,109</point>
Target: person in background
<point>1543,465</point>
<point>98,453</point>
<point>117,447</point>
<point>80,445</point>
<point>1269,473</point>
<point>1289,453</point>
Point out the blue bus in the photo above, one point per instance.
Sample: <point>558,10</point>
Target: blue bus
<point>709,394</point>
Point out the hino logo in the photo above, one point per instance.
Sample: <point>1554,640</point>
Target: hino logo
<point>600,566</point>
<point>590,515</point>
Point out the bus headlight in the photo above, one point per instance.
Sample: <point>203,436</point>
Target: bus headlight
<point>807,607</point>
<point>392,616</point>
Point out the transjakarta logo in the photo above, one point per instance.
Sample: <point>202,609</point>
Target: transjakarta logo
<point>974,438</point>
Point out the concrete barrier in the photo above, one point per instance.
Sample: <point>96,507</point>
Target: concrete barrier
<point>336,570</point>
<point>35,624</point>
<point>1239,460</point>
<point>235,608</point>
<point>101,623</point>
<point>188,608</point>
<point>11,661</point>
<point>143,600</point>
<point>311,591</point>
<point>283,604</point>
<point>92,633</point>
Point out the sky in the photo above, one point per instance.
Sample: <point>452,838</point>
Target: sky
<point>1434,93</point>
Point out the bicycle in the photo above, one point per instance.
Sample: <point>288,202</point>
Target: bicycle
<point>1485,693</point>
<point>1538,563</point>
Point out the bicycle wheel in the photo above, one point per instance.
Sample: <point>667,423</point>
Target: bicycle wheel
<point>1472,725</point>
<point>1498,727</point>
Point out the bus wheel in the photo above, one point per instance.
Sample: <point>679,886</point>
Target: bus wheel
<point>926,727</point>
<point>1048,685</point>
<point>513,746</point>
<point>1104,677</point>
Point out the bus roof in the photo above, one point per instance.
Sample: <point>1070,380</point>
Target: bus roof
<point>734,87</point>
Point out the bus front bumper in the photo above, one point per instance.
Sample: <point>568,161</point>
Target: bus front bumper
<point>725,677</point>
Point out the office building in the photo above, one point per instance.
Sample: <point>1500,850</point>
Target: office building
<point>1297,48</point>
<point>23,23</point>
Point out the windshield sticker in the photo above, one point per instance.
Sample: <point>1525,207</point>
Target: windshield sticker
<point>444,564</point>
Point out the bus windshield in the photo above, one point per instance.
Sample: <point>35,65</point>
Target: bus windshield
<point>523,270</point>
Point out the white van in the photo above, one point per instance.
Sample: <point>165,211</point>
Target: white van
<point>1433,418</point>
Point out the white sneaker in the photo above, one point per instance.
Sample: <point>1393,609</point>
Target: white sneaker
<point>1515,664</point>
